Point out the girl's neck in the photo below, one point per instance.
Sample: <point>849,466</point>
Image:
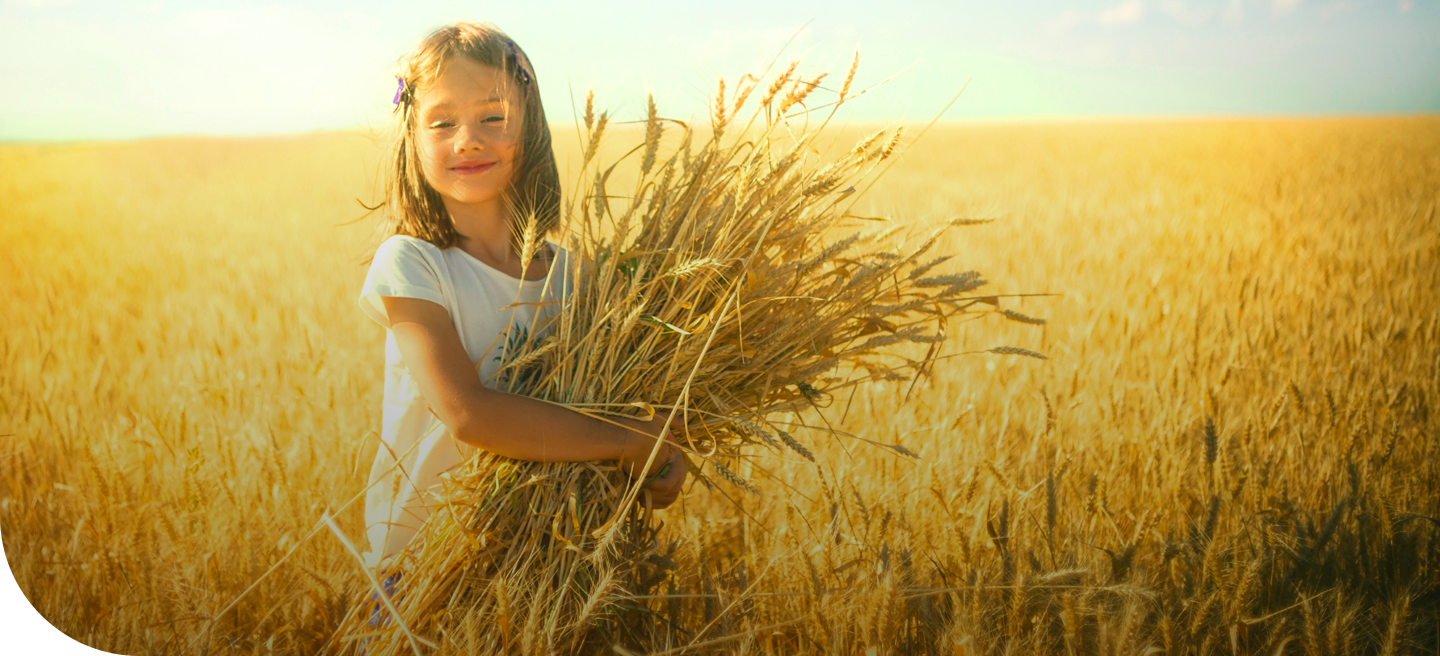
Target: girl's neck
<point>486,235</point>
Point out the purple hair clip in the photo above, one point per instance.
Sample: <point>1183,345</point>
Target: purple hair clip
<point>399,91</point>
<point>521,63</point>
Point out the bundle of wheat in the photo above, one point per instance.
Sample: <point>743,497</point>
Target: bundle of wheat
<point>731,285</point>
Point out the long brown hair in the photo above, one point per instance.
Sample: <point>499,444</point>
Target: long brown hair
<point>413,207</point>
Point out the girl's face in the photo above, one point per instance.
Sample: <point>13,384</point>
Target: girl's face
<point>468,130</point>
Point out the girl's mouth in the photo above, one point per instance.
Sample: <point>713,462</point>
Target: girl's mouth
<point>471,168</point>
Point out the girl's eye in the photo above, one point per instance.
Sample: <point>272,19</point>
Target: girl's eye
<point>494,119</point>
<point>441,125</point>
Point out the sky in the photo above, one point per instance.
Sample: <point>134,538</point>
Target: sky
<point>90,69</point>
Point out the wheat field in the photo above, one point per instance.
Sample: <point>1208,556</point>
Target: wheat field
<point>1232,447</point>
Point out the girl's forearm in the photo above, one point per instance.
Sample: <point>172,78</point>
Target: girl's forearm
<point>523,428</point>
<point>505,424</point>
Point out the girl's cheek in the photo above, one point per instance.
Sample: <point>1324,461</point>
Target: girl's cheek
<point>512,146</point>
<point>431,165</point>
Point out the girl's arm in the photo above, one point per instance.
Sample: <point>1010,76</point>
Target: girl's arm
<point>507,424</point>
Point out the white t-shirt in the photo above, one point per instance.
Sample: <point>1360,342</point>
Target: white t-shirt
<point>488,309</point>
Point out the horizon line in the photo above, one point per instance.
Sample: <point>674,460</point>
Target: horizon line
<point>943,122</point>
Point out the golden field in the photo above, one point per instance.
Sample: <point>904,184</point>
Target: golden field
<point>1231,449</point>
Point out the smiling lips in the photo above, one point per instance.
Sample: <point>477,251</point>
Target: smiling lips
<point>472,167</point>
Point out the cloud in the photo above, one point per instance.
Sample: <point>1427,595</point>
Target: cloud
<point>42,4</point>
<point>1129,12</point>
<point>1282,7</point>
<point>1181,12</point>
<point>1234,11</point>
<point>1062,22</point>
<point>1334,8</point>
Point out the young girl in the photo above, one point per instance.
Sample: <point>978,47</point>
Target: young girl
<point>472,167</point>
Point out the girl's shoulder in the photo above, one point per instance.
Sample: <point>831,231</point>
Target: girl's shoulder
<point>406,243</point>
<point>402,257</point>
<point>403,250</point>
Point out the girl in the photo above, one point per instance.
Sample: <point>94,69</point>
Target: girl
<point>473,168</point>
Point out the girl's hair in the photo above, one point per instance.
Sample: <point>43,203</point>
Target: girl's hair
<point>414,207</point>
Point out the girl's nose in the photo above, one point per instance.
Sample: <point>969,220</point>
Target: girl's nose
<point>467,137</point>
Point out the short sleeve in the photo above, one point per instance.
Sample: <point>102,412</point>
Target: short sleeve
<point>401,267</point>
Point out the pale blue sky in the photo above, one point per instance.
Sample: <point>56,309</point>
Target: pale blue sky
<point>87,69</point>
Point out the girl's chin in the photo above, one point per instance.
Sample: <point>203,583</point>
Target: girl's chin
<point>473,196</point>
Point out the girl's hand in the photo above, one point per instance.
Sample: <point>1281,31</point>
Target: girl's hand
<point>666,475</point>
<point>640,436</point>
<point>665,487</point>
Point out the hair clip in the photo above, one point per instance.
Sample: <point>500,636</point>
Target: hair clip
<point>522,65</point>
<point>402,93</point>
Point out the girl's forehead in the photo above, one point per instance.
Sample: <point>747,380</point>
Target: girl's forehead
<point>463,78</point>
